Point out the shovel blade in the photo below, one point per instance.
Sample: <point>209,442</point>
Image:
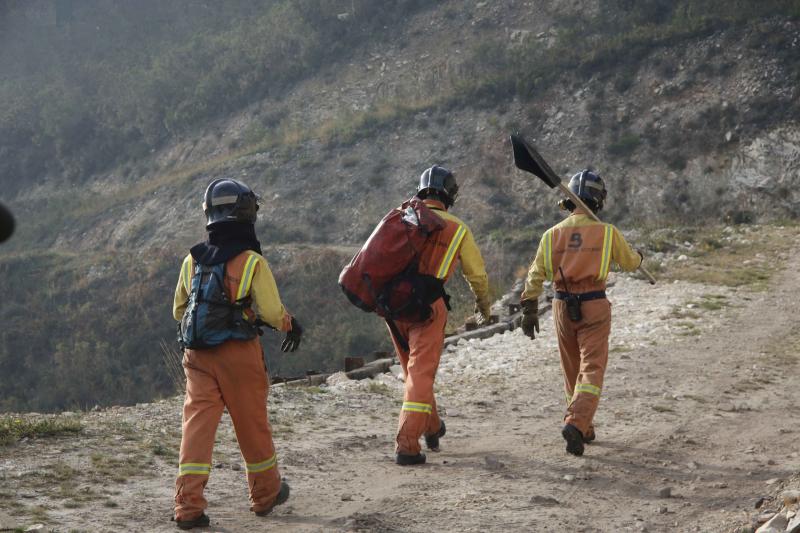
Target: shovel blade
<point>528,159</point>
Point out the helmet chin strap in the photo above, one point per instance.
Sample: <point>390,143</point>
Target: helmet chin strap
<point>567,205</point>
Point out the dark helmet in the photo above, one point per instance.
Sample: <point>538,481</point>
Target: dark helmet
<point>228,200</point>
<point>6,223</point>
<point>440,182</point>
<point>589,187</point>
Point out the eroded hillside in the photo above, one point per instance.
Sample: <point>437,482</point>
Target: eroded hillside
<point>688,109</point>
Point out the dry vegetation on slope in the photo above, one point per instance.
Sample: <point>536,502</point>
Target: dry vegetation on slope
<point>683,125</point>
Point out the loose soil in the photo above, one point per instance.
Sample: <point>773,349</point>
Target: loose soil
<point>700,402</point>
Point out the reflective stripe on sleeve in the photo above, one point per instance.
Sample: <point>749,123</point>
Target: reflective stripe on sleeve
<point>605,262</point>
<point>201,469</point>
<point>416,407</point>
<point>444,268</point>
<point>254,468</point>
<point>547,248</point>
<point>588,388</point>
<point>247,276</point>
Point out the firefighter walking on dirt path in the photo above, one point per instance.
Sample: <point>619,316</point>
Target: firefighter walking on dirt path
<point>576,255</point>
<point>225,291</point>
<point>420,359</point>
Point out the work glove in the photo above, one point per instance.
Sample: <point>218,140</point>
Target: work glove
<point>292,339</point>
<point>530,317</point>
<point>484,311</point>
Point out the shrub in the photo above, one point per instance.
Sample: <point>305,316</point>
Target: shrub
<point>740,216</point>
<point>14,428</point>
<point>675,159</point>
<point>350,161</point>
<point>624,145</point>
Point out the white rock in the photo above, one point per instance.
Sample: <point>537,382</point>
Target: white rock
<point>335,379</point>
<point>7,523</point>
<point>390,381</point>
<point>790,497</point>
<point>794,524</point>
<point>777,524</point>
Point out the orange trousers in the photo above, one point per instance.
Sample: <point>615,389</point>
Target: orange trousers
<point>584,355</point>
<point>420,362</point>
<point>233,376</point>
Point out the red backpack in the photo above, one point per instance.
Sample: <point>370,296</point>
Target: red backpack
<point>383,278</point>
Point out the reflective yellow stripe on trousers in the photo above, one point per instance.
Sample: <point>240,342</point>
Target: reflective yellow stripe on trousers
<point>444,268</point>
<point>588,388</point>
<point>254,468</point>
<point>416,407</point>
<point>201,469</point>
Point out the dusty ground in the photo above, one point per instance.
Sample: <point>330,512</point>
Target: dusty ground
<point>701,397</point>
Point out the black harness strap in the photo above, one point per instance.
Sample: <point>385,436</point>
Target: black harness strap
<point>398,337</point>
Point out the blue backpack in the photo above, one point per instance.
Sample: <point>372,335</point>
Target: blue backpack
<point>210,318</point>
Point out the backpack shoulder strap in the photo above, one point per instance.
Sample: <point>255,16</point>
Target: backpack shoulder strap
<point>429,220</point>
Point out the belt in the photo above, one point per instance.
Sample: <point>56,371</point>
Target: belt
<point>583,297</point>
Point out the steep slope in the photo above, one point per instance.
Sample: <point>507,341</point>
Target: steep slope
<point>689,111</point>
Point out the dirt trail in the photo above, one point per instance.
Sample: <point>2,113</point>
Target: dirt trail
<point>706,409</point>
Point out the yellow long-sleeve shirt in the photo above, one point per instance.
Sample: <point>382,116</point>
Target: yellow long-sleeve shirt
<point>584,249</point>
<point>266,302</point>
<point>472,265</point>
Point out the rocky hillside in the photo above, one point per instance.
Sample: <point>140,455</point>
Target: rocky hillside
<point>688,109</point>
<point>695,428</point>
